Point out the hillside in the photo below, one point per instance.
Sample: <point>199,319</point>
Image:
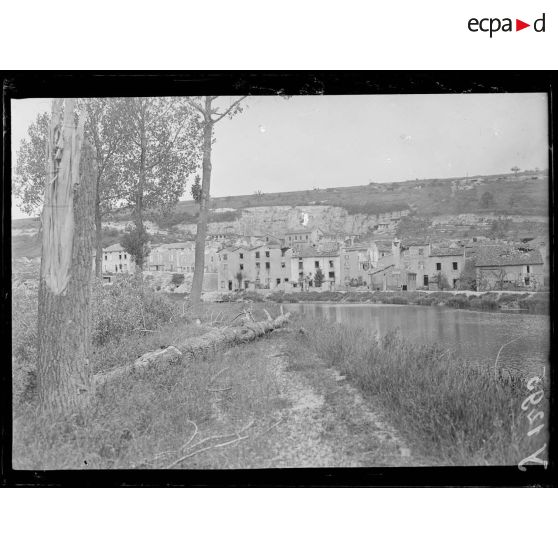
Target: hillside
<point>351,209</point>
<point>524,194</point>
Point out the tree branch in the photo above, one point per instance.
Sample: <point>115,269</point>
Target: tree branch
<point>228,111</point>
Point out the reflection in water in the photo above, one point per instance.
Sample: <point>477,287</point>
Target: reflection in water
<point>473,335</point>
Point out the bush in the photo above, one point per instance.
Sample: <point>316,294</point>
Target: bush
<point>483,303</point>
<point>536,304</point>
<point>24,342</point>
<point>177,279</point>
<point>125,306</point>
<point>458,301</point>
<point>397,300</point>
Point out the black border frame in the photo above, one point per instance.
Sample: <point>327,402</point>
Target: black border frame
<point>17,85</point>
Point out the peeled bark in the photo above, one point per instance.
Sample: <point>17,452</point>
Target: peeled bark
<point>64,327</point>
<point>201,231</point>
<point>98,233</point>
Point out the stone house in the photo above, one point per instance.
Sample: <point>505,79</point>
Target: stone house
<point>180,257</point>
<point>445,262</point>
<point>117,260</point>
<point>414,257</point>
<point>265,266</point>
<point>392,278</point>
<point>510,269</point>
<point>307,260</point>
<point>269,267</point>
<point>357,261</point>
<point>302,237</point>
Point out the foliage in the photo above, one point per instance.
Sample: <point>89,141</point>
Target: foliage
<point>442,281</point>
<point>30,170</point>
<point>24,341</point>
<point>538,303</point>
<point>136,242</point>
<point>177,279</point>
<point>104,128</point>
<point>239,276</point>
<point>196,189</point>
<point>126,306</point>
<point>319,277</point>
<point>468,276</point>
<point>164,150</point>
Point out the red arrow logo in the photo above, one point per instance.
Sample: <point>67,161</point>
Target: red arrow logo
<point>519,25</point>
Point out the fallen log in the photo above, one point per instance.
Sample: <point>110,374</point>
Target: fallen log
<point>196,347</point>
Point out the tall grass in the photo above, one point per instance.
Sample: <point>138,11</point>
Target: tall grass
<point>122,314</point>
<point>145,420</point>
<point>455,411</point>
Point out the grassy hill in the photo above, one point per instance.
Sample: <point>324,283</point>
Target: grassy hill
<point>525,194</point>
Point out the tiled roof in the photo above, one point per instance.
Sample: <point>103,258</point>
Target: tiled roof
<point>177,245</point>
<point>357,248</point>
<point>441,251</point>
<point>502,255</point>
<point>415,242</point>
<point>311,252</point>
<point>381,269</point>
<point>329,247</point>
<point>114,248</point>
<point>297,231</point>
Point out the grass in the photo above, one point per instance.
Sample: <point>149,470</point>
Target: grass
<point>455,412</point>
<point>146,420</point>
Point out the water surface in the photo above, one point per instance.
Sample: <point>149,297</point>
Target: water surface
<point>474,335</point>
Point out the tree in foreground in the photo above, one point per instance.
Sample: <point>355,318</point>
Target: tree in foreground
<point>64,326</point>
<point>105,126</point>
<point>210,115</point>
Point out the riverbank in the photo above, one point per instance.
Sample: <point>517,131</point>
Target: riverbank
<point>532,303</point>
<point>451,411</point>
<point>256,405</point>
<point>316,394</point>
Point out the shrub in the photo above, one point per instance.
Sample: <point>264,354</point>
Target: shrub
<point>177,279</point>
<point>458,301</point>
<point>251,295</point>
<point>125,306</point>
<point>24,342</point>
<point>398,300</point>
<point>482,303</point>
<point>536,304</point>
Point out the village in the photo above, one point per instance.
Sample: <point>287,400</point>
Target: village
<point>310,259</point>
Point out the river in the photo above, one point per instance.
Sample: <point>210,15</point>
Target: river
<point>474,335</point>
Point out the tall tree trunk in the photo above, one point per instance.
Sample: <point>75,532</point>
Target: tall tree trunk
<point>98,232</point>
<point>64,327</point>
<point>139,201</point>
<point>201,231</point>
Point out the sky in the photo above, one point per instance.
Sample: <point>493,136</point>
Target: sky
<point>304,142</point>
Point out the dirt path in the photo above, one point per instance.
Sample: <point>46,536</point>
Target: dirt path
<point>326,422</point>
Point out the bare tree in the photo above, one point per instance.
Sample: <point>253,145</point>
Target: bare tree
<point>64,323</point>
<point>211,114</point>
<point>501,278</point>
